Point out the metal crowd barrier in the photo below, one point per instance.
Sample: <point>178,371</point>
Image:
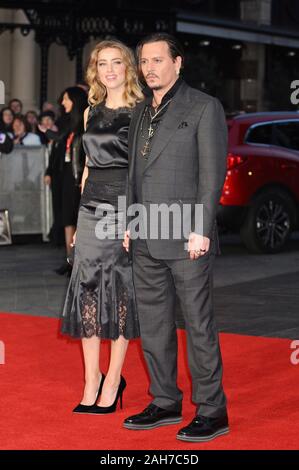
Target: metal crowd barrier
<point>23,192</point>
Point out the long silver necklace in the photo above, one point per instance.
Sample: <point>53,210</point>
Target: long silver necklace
<point>151,129</point>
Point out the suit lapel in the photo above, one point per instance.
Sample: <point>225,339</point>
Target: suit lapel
<point>133,131</point>
<point>178,108</point>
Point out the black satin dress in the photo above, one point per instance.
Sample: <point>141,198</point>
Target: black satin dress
<point>100,299</point>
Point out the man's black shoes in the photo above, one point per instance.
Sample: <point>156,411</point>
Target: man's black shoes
<point>203,429</point>
<point>153,417</point>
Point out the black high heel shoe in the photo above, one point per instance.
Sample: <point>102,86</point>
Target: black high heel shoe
<point>101,410</point>
<point>85,408</point>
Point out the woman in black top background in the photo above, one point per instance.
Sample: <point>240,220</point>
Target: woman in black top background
<point>67,163</point>
<point>74,102</point>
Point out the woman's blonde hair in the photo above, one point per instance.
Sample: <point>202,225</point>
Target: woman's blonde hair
<point>97,91</point>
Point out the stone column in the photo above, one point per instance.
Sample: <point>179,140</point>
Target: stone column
<point>23,65</point>
<point>253,57</point>
<point>6,16</point>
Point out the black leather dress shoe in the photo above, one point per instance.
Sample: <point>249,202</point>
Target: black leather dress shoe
<point>153,417</point>
<point>202,429</point>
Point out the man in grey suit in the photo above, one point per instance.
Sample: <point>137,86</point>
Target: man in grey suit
<point>177,152</point>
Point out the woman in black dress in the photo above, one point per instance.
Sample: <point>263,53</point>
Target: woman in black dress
<point>66,164</point>
<point>100,301</point>
<point>74,101</point>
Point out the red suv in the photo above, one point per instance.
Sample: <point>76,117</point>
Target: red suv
<point>260,196</point>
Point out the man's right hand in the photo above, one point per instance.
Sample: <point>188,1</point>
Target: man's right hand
<point>47,180</point>
<point>126,241</point>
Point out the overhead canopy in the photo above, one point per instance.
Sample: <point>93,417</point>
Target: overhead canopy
<point>73,22</point>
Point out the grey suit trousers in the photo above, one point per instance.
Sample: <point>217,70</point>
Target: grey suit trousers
<point>156,283</point>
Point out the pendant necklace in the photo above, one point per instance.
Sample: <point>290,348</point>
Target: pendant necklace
<point>151,129</point>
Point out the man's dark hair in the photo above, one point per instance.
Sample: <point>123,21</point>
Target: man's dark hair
<point>48,113</point>
<point>175,47</point>
<point>15,100</point>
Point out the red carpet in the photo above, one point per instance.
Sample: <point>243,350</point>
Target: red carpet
<point>42,380</point>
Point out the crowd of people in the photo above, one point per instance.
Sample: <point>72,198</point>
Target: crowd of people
<point>60,130</point>
<point>23,129</point>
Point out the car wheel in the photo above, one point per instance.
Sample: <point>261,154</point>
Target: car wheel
<point>269,222</point>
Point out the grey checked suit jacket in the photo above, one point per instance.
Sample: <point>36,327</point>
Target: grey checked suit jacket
<point>187,163</point>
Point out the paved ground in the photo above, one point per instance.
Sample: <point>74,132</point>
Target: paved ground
<point>254,294</point>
